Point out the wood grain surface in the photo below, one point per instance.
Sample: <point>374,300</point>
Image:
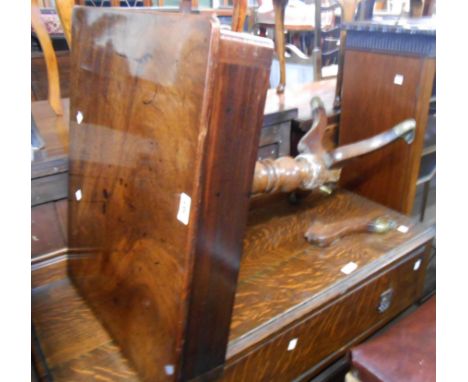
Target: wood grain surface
<point>152,121</point>
<point>155,299</point>
<point>305,347</point>
<point>372,103</point>
<point>75,344</point>
<point>299,97</point>
<point>287,289</point>
<point>276,253</point>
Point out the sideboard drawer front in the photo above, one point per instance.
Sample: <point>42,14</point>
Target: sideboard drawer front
<point>331,329</point>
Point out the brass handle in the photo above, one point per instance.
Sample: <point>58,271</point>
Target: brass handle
<point>314,166</point>
<point>404,130</point>
<point>323,235</point>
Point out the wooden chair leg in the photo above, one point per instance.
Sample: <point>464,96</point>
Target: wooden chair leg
<point>238,16</point>
<point>65,12</point>
<point>279,6</point>
<point>317,51</point>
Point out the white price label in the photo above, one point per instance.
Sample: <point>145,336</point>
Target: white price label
<point>349,268</point>
<point>403,229</point>
<point>292,344</point>
<point>398,79</point>
<point>183,215</point>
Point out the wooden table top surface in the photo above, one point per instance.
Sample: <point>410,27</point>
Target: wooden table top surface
<point>299,97</point>
<point>54,129</point>
<point>281,278</point>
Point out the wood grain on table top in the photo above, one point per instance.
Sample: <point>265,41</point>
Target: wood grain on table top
<point>299,96</point>
<point>280,271</point>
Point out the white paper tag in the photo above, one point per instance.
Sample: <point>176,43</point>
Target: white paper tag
<point>398,79</point>
<point>348,268</point>
<point>183,215</point>
<point>292,344</point>
<point>78,195</point>
<point>403,229</point>
<point>169,369</point>
<point>79,117</point>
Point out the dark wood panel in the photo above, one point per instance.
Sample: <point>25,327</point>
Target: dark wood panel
<point>372,103</point>
<point>49,188</point>
<point>239,110</point>
<point>170,120</point>
<point>62,212</point>
<point>46,234</point>
<point>39,84</point>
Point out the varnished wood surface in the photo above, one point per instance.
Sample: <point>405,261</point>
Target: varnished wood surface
<point>75,345</point>
<point>275,250</point>
<point>372,103</point>
<point>279,7</point>
<point>178,115</point>
<point>54,129</point>
<point>238,15</point>
<point>299,97</point>
<point>221,227</point>
<point>325,334</point>
<point>287,289</point>
<point>65,11</point>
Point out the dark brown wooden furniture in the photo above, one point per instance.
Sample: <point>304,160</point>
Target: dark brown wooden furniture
<point>289,295</point>
<point>168,269</point>
<point>388,76</point>
<point>223,287</point>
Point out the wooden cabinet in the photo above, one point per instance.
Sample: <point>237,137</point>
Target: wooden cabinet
<point>316,338</point>
<point>388,77</point>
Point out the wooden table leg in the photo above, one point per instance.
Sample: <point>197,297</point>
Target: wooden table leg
<point>279,7</point>
<point>238,16</point>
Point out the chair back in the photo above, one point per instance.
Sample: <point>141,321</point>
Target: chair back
<point>50,58</point>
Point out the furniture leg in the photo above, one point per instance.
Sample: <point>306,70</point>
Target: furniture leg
<point>50,58</point>
<point>279,6</point>
<point>238,17</point>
